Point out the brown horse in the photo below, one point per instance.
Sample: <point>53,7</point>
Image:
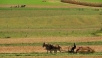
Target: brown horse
<point>84,50</point>
<point>50,47</point>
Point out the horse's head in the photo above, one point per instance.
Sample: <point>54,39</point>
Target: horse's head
<point>43,44</point>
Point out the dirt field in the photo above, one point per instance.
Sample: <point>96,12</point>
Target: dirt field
<point>39,49</point>
<point>49,39</point>
<point>29,49</point>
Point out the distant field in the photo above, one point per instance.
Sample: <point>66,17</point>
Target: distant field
<point>38,2</point>
<point>48,2</point>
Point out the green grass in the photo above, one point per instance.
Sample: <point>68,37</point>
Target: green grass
<point>38,2</point>
<point>48,22</point>
<point>60,43</point>
<point>98,32</point>
<point>44,33</point>
<point>34,2</point>
<point>45,54</point>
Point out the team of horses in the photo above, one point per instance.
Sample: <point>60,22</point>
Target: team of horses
<point>72,49</point>
<point>50,47</point>
<point>18,6</point>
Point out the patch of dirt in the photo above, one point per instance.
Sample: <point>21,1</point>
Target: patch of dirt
<point>49,39</point>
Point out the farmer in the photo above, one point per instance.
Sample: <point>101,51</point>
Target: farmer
<point>74,47</point>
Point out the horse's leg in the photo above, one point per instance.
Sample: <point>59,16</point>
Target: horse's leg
<point>50,51</point>
<point>47,51</point>
<point>55,51</point>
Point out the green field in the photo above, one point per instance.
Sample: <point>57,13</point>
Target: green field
<point>39,2</point>
<point>60,43</point>
<point>45,54</point>
<point>35,2</point>
<point>45,22</point>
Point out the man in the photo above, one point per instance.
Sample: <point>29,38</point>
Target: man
<point>74,47</point>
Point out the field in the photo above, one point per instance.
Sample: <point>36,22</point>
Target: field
<point>23,30</point>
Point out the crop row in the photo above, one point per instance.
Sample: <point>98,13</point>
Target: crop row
<point>82,3</point>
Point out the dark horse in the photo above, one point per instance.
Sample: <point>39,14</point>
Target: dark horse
<point>50,47</point>
<point>23,5</point>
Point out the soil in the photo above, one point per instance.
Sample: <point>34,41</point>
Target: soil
<point>38,49</point>
<point>49,39</point>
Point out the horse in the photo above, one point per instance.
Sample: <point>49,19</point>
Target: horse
<point>84,50</point>
<point>56,47</point>
<point>23,6</point>
<point>50,47</point>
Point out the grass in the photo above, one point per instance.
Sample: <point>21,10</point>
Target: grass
<point>98,32</point>
<point>33,2</point>
<point>45,54</point>
<point>48,22</point>
<point>39,2</point>
<point>60,43</point>
<point>44,33</point>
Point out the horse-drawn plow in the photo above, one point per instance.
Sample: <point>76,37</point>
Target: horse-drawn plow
<point>70,49</point>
